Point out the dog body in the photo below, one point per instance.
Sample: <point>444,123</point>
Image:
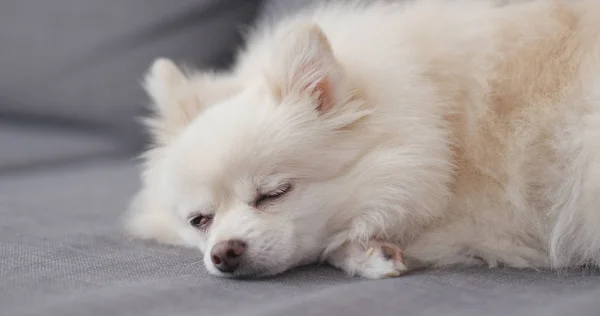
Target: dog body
<point>460,132</point>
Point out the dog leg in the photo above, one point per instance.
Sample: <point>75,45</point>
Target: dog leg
<point>373,260</point>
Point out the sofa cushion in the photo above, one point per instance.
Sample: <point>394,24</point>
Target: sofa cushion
<point>62,253</point>
<point>84,59</point>
<point>28,145</point>
<point>272,10</point>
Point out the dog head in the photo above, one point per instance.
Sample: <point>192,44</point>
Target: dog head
<point>245,163</point>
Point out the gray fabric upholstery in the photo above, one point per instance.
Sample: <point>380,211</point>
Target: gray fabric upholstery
<point>26,146</point>
<point>84,59</point>
<point>63,254</point>
<point>276,9</point>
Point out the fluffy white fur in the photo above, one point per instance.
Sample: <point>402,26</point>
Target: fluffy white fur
<point>462,132</point>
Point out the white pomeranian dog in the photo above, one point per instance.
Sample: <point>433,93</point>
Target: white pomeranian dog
<point>384,137</point>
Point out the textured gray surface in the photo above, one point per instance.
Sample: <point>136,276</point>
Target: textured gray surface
<point>63,253</point>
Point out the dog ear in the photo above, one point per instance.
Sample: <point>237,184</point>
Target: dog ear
<point>179,97</point>
<point>162,83</point>
<point>310,67</point>
<point>175,101</point>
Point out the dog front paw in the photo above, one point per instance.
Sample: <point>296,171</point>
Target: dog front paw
<point>375,260</point>
<point>382,260</point>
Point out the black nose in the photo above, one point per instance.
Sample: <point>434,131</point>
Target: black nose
<point>226,255</point>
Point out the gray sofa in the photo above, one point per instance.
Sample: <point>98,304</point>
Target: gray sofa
<point>69,96</point>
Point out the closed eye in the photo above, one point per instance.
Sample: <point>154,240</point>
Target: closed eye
<point>201,221</point>
<point>264,198</point>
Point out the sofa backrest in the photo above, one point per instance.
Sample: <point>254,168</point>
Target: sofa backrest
<point>83,60</point>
